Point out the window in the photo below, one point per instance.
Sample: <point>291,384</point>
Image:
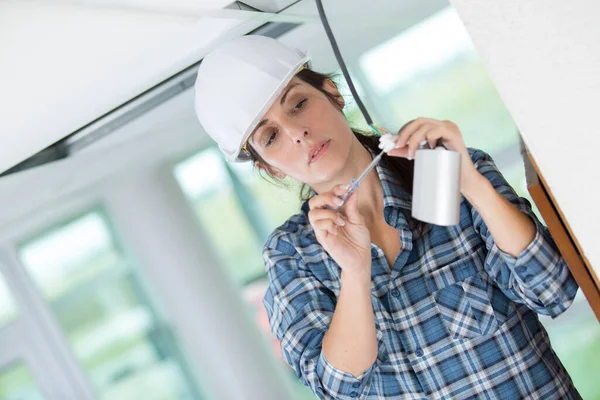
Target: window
<point>8,309</point>
<point>575,337</point>
<point>100,303</point>
<point>16,383</point>
<point>431,69</point>
<point>236,207</point>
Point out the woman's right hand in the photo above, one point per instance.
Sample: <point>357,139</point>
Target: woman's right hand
<point>342,234</point>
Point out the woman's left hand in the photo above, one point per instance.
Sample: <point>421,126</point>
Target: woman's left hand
<point>420,129</point>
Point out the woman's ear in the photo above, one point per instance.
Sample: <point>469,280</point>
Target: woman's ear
<point>330,88</point>
<point>274,172</point>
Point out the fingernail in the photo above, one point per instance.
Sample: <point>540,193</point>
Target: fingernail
<point>338,201</point>
<point>345,187</point>
<point>340,221</point>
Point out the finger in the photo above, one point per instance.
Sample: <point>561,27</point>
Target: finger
<point>405,132</point>
<point>323,213</point>
<point>403,152</point>
<point>432,121</point>
<point>325,226</point>
<point>433,137</point>
<point>340,190</point>
<point>430,136</point>
<point>416,139</point>
<point>432,142</point>
<point>351,209</point>
<point>325,200</point>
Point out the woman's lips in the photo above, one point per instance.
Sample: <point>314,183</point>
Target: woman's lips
<point>318,151</point>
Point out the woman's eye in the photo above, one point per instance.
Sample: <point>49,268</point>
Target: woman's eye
<point>299,105</point>
<point>272,136</point>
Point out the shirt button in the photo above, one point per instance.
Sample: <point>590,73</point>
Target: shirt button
<point>419,352</point>
<point>395,293</point>
<point>383,357</point>
<point>356,385</point>
<point>528,278</point>
<point>353,394</point>
<point>520,270</point>
<point>374,252</point>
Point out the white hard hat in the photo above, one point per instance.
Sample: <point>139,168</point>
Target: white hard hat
<point>236,85</point>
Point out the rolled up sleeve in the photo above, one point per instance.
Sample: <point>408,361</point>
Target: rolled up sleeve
<point>342,384</point>
<point>300,310</point>
<point>539,276</point>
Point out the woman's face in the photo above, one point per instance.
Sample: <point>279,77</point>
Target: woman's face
<point>304,134</point>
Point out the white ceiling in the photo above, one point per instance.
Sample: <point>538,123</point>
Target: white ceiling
<point>169,131</point>
<point>66,63</point>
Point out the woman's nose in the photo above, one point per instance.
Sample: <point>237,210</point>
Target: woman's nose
<point>301,137</point>
<point>296,134</point>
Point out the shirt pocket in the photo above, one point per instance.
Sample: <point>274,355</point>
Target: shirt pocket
<point>469,303</point>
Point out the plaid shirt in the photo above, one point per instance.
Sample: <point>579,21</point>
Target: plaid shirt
<point>455,316</point>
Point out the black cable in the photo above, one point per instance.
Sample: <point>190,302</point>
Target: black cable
<point>341,62</point>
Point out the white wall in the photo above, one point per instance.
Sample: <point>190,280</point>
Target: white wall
<point>544,58</point>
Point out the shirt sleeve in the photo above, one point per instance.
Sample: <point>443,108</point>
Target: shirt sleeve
<point>300,309</point>
<point>539,277</point>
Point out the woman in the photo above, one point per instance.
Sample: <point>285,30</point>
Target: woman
<point>367,302</point>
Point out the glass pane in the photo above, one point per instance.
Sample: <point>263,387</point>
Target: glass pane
<point>209,189</point>
<point>8,308</point>
<point>66,257</point>
<point>575,337</point>
<point>98,300</point>
<point>16,383</point>
<point>278,200</point>
<point>433,70</point>
<point>253,294</point>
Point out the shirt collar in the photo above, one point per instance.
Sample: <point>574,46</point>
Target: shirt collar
<point>394,195</point>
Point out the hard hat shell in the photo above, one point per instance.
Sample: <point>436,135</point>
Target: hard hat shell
<point>236,85</point>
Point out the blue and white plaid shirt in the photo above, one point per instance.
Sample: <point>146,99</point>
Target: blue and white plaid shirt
<point>455,316</point>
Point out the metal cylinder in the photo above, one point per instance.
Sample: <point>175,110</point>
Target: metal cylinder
<point>436,187</point>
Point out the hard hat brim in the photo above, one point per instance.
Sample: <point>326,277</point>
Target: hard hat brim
<point>242,156</point>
